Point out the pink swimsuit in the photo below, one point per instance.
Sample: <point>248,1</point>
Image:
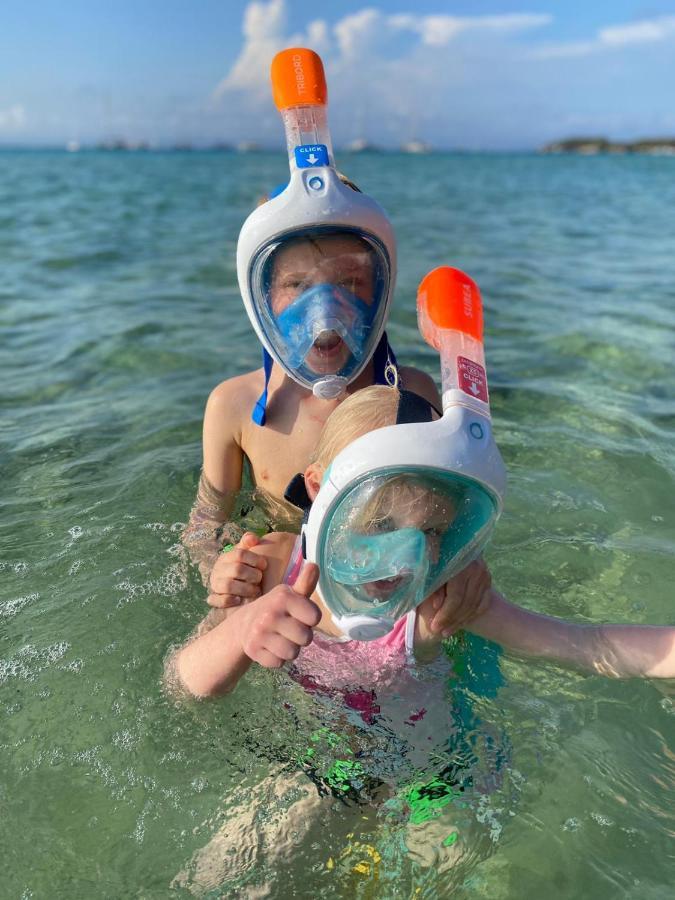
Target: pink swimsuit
<point>351,668</point>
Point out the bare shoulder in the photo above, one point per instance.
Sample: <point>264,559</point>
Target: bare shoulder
<point>227,411</point>
<point>228,407</point>
<point>235,394</point>
<point>420,383</point>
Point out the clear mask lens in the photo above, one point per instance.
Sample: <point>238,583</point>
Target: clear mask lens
<point>320,297</point>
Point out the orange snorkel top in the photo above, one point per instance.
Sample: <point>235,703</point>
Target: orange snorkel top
<point>448,299</point>
<point>298,79</point>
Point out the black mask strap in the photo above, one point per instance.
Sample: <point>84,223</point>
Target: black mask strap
<point>413,408</point>
<point>296,493</point>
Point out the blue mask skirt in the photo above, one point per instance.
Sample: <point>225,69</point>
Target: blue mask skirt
<point>325,309</point>
<point>320,297</point>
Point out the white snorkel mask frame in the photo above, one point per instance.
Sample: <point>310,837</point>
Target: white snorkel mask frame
<point>461,442</point>
<point>315,198</point>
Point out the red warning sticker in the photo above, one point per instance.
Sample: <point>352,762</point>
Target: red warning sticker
<point>472,378</point>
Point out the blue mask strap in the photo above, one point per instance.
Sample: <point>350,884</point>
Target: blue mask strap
<point>259,413</point>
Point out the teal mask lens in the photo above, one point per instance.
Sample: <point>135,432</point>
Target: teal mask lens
<point>393,538</point>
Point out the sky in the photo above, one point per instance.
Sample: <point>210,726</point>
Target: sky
<point>487,74</point>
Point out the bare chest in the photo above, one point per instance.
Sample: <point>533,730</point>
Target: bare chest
<point>281,449</point>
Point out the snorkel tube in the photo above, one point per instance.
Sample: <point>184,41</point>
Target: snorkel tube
<point>315,204</point>
<point>450,319</point>
<point>300,95</point>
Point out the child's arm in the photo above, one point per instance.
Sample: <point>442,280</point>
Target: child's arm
<point>209,526</point>
<point>613,650</point>
<point>269,631</point>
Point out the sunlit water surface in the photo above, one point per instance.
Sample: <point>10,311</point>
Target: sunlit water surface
<point>119,312</point>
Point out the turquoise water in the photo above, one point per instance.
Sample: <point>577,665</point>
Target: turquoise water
<point>119,312</point>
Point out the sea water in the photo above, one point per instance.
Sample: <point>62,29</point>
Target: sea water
<point>119,312</point>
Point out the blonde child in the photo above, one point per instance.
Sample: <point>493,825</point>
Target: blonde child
<point>277,627</point>
<point>374,682</point>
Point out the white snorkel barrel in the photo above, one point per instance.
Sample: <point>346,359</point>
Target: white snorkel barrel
<point>316,263</point>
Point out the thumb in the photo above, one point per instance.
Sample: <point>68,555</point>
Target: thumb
<point>249,539</point>
<point>307,580</point>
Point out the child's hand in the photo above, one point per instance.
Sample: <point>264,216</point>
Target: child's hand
<point>459,601</point>
<point>277,626</point>
<point>237,575</point>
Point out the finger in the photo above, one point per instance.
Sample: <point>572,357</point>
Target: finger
<point>294,630</point>
<point>248,558</point>
<point>238,588</point>
<point>265,658</point>
<point>221,581</point>
<point>248,539</point>
<point>307,580</point>
<point>304,610</point>
<point>444,615</point>
<point>223,601</point>
<point>281,647</point>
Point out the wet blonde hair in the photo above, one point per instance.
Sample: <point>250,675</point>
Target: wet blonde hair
<point>363,411</point>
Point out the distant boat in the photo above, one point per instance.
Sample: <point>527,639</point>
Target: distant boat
<point>416,147</point>
<point>123,145</point>
<point>360,145</point>
<point>73,146</point>
<point>248,147</point>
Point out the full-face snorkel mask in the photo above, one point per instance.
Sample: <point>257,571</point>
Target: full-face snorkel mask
<point>404,508</point>
<point>316,262</point>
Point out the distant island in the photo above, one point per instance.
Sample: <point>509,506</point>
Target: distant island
<point>591,146</point>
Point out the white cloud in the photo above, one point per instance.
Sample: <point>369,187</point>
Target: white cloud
<point>264,25</point>
<point>455,81</point>
<point>13,118</point>
<point>355,34</point>
<point>646,31</point>
<point>437,31</point>
<point>359,35</point>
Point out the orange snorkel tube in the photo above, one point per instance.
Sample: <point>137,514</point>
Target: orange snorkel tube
<point>450,319</point>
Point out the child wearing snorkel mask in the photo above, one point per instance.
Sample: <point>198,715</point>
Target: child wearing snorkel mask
<point>390,540</point>
<point>291,622</point>
<point>316,266</point>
